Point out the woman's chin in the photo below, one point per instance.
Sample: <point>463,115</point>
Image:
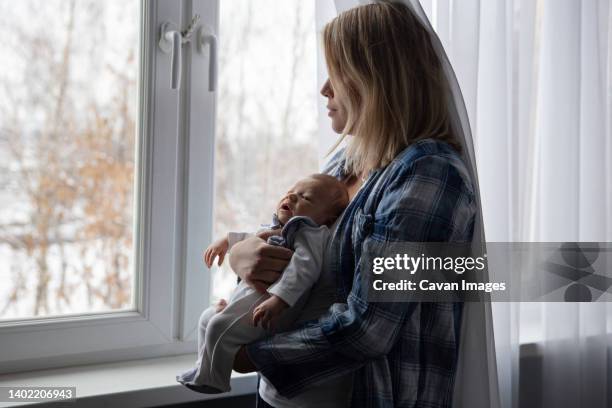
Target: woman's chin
<point>337,129</point>
<point>338,126</point>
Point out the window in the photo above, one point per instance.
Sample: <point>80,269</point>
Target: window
<point>136,178</point>
<point>68,148</point>
<point>266,137</point>
<point>121,172</point>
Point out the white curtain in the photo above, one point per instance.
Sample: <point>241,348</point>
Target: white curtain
<point>535,75</point>
<point>536,79</point>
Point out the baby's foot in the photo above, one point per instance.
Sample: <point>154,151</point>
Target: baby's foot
<point>221,304</point>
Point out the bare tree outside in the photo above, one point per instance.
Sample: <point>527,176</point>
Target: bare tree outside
<point>67,134</point>
<point>267,113</point>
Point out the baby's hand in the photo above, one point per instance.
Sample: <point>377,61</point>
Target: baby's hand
<point>220,305</point>
<point>218,248</point>
<point>268,311</point>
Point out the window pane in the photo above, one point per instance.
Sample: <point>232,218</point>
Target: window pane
<point>67,142</point>
<point>267,113</point>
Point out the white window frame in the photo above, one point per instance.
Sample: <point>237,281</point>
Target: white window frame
<point>172,216</point>
<point>201,117</point>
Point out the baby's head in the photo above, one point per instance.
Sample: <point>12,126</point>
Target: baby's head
<point>318,196</point>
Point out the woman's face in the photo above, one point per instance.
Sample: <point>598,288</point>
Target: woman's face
<point>335,106</point>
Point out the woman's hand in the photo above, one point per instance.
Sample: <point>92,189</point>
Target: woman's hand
<point>265,234</point>
<point>242,362</point>
<point>258,263</point>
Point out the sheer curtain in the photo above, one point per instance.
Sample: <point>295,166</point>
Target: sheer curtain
<point>535,75</point>
<point>536,80</point>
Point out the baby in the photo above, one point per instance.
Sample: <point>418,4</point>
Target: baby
<point>304,214</point>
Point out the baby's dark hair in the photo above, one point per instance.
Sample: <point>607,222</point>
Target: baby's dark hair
<point>339,194</point>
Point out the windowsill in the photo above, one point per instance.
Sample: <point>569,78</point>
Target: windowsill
<point>137,383</point>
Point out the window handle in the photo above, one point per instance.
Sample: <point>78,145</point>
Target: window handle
<point>207,37</point>
<point>170,41</point>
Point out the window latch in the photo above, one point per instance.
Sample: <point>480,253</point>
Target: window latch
<point>206,36</point>
<point>171,40</point>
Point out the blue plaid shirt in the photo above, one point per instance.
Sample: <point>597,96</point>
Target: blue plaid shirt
<point>401,354</point>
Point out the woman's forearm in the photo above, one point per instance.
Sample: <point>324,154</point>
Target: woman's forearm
<point>258,263</point>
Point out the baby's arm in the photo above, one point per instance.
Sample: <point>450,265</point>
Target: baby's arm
<point>299,276</point>
<point>216,249</point>
<point>268,311</point>
<point>220,247</point>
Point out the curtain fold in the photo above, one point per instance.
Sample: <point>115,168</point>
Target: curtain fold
<point>542,132</point>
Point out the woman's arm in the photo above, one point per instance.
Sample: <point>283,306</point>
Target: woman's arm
<point>258,263</point>
<point>424,201</point>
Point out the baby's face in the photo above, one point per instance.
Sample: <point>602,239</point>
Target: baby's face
<point>310,198</point>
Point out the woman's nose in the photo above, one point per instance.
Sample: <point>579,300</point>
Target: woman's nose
<point>326,90</point>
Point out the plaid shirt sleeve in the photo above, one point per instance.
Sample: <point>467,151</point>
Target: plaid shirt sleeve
<point>420,201</point>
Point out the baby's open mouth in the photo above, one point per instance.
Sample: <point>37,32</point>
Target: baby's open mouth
<point>285,207</point>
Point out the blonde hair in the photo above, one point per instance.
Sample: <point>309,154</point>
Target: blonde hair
<point>381,58</point>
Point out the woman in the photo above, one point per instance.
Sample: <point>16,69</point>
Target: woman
<point>407,182</point>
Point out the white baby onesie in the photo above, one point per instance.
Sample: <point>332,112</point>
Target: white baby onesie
<point>222,334</point>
